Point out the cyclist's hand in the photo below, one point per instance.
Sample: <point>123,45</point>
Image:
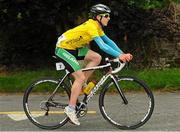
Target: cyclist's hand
<point>125,57</point>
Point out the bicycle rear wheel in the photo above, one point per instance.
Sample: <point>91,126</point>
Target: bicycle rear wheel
<point>136,112</point>
<point>44,113</point>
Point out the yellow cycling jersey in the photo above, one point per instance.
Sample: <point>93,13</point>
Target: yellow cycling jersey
<point>80,36</point>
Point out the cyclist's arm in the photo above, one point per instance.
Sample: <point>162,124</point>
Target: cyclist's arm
<point>106,48</point>
<point>111,43</point>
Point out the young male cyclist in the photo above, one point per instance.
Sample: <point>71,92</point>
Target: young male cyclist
<point>71,46</point>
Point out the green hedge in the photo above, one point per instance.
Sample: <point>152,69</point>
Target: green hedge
<point>156,79</point>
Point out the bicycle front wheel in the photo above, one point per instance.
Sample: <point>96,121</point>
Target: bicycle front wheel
<point>133,114</point>
<point>42,111</point>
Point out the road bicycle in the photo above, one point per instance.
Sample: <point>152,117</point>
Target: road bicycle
<point>124,101</point>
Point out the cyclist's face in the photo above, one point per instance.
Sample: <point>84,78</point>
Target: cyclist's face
<point>105,19</point>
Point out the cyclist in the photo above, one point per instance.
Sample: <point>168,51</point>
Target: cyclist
<point>71,46</point>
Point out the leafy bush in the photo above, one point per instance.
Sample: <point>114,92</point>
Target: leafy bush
<point>29,29</point>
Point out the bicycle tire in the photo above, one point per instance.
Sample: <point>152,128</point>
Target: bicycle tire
<point>118,113</point>
<point>40,89</point>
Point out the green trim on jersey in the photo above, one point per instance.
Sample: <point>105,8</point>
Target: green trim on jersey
<point>83,51</point>
<point>69,58</point>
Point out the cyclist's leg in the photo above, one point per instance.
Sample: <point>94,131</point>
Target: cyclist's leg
<point>75,91</point>
<point>93,59</point>
<point>73,66</point>
<point>79,77</point>
<point>76,87</point>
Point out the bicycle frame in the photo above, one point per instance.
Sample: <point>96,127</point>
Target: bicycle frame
<point>67,74</point>
<point>100,82</point>
<point>109,80</point>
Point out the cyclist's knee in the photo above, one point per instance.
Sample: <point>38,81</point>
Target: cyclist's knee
<point>79,76</point>
<point>98,58</point>
<point>93,56</point>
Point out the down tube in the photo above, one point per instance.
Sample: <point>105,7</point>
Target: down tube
<point>95,89</point>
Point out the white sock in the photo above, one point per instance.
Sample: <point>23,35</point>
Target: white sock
<point>71,108</point>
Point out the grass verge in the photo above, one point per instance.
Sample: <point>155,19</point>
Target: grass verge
<point>18,81</point>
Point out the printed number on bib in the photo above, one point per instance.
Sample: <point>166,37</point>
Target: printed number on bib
<point>60,66</point>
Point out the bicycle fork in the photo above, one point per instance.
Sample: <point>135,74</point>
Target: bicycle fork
<point>114,79</point>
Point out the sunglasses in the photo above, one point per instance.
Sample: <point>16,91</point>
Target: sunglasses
<point>106,15</point>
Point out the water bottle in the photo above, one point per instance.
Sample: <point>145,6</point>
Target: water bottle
<point>89,87</point>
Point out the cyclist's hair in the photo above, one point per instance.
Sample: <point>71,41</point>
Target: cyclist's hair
<point>98,9</point>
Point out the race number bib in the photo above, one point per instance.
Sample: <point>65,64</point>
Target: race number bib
<point>60,66</point>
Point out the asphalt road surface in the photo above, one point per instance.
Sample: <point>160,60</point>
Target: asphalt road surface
<point>166,116</point>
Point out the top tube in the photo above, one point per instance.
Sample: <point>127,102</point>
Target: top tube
<point>108,64</point>
<point>97,67</point>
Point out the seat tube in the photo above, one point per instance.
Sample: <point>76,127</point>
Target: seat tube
<point>52,95</point>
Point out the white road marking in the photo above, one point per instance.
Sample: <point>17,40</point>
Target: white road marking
<point>19,115</point>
